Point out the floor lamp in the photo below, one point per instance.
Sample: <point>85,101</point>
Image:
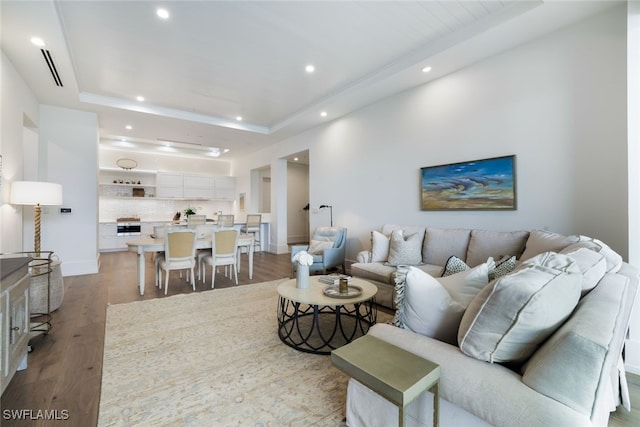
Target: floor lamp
<point>330,211</point>
<point>37,194</point>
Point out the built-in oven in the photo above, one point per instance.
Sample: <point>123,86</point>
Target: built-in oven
<point>128,226</point>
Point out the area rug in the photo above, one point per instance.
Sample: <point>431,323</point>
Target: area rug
<point>213,359</point>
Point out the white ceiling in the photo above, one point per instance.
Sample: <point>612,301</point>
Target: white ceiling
<point>213,61</point>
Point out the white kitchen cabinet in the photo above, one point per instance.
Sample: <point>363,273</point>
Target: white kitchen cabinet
<point>170,185</point>
<point>225,188</point>
<point>14,317</point>
<point>107,232</point>
<point>199,187</point>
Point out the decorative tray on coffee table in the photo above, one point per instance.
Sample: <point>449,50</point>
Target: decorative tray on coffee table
<point>333,291</point>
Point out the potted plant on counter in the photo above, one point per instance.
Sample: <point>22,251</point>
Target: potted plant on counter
<point>189,211</point>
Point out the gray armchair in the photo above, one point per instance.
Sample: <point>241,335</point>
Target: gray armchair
<point>328,247</point>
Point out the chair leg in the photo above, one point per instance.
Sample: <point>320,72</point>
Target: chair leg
<point>166,282</point>
<point>193,281</point>
<point>235,269</point>
<point>213,277</point>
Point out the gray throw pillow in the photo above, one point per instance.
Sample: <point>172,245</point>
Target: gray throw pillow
<point>454,265</point>
<point>513,315</point>
<point>404,250</point>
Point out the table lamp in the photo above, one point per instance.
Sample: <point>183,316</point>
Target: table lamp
<point>36,193</point>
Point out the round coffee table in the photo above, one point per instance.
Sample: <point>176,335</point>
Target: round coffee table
<point>313,322</point>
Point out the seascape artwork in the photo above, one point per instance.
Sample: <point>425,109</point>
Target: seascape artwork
<point>487,184</point>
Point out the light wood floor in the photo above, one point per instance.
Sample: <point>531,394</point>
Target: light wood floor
<point>65,367</point>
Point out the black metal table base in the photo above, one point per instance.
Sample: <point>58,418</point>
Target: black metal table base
<point>321,329</point>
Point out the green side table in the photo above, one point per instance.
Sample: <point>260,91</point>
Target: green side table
<point>395,374</point>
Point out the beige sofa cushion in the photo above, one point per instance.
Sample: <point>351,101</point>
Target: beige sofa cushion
<point>510,317</point>
<point>497,244</point>
<point>540,241</point>
<point>441,243</point>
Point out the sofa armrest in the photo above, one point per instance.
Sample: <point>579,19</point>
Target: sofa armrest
<point>489,391</point>
<point>363,256</point>
<point>333,257</point>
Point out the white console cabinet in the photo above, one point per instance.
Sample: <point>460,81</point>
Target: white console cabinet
<point>14,316</point>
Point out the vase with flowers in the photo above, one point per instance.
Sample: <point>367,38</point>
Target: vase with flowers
<point>303,259</point>
<point>189,211</point>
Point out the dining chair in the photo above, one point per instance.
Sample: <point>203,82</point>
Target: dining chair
<point>196,219</point>
<point>253,227</point>
<point>225,221</point>
<point>179,254</point>
<point>224,252</point>
<point>158,233</point>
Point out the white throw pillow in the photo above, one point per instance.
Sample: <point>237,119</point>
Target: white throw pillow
<point>540,241</point>
<point>318,246</point>
<point>614,260</point>
<point>464,286</point>
<point>379,247</point>
<point>404,250</point>
<point>428,309</point>
<point>592,263</point>
<point>512,316</point>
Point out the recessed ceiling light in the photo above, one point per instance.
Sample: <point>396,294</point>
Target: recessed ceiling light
<point>128,127</point>
<point>37,41</point>
<point>323,114</point>
<point>140,98</point>
<point>426,69</point>
<point>162,13</point>
<point>239,118</point>
<point>295,159</point>
<point>309,68</point>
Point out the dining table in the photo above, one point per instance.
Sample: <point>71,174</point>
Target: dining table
<point>156,244</point>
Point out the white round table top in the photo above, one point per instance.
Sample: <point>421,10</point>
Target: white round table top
<point>313,295</point>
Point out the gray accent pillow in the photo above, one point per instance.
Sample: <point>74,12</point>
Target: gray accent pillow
<point>513,315</point>
<point>503,267</point>
<point>454,265</point>
<point>404,250</point>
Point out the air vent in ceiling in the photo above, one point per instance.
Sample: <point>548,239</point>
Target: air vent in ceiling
<point>52,67</point>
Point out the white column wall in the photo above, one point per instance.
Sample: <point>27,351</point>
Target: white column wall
<point>69,143</point>
<point>18,108</point>
<point>632,350</point>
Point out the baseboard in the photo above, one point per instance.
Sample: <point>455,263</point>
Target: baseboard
<point>633,378</point>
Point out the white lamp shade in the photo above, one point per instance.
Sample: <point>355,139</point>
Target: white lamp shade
<point>35,193</point>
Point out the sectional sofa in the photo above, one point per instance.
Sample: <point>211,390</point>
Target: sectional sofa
<point>527,327</point>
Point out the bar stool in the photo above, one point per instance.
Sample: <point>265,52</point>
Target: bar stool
<point>253,227</point>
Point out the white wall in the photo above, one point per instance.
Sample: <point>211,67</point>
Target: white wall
<point>633,83</point>
<point>558,103</point>
<point>18,108</point>
<point>69,145</point>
